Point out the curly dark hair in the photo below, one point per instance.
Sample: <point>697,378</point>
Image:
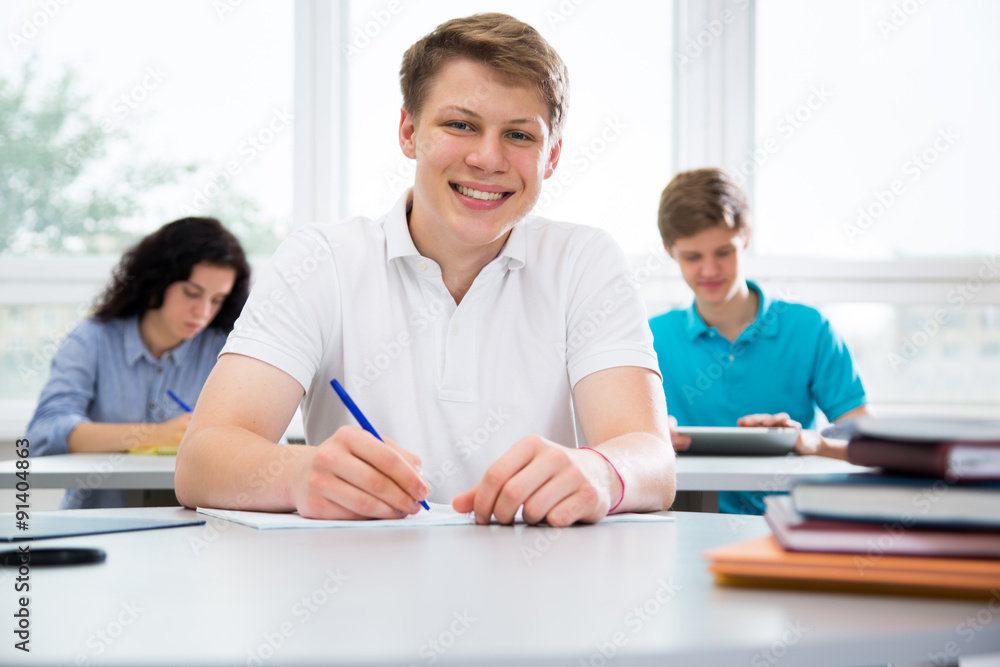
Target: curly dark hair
<point>167,256</point>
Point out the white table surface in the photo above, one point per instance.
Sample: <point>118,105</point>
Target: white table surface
<point>224,594</point>
<point>694,473</point>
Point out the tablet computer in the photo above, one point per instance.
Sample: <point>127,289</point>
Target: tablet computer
<point>740,440</point>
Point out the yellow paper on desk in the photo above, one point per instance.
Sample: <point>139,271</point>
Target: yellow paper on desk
<point>154,451</point>
<point>762,562</point>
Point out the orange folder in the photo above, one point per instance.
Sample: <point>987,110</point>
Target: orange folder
<point>762,562</point>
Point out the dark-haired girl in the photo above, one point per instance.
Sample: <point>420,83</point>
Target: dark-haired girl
<point>158,326</point>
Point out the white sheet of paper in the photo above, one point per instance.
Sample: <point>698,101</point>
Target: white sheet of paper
<point>439,515</point>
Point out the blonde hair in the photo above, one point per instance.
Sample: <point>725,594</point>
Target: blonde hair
<point>500,41</point>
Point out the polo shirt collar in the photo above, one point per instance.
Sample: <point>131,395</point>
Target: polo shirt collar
<point>516,247</point>
<point>135,349</point>
<point>399,243</point>
<point>765,324</point>
<point>694,326</point>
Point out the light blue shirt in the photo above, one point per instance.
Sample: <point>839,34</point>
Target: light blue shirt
<point>103,372</point>
<point>788,360</point>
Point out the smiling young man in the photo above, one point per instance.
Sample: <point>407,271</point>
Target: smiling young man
<point>476,338</point>
<point>737,356</point>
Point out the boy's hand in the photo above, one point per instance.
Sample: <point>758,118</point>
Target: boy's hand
<point>553,483</point>
<point>680,442</point>
<point>805,445</point>
<point>354,475</point>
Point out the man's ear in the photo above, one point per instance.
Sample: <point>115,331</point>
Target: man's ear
<point>669,251</point>
<point>746,238</point>
<point>407,129</point>
<point>554,154</point>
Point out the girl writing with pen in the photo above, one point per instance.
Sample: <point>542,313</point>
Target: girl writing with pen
<point>157,328</point>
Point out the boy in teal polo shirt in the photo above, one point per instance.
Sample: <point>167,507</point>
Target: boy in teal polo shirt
<point>736,356</point>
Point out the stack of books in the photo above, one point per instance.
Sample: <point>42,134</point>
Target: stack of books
<point>927,522</point>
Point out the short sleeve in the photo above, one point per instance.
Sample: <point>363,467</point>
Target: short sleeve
<point>836,384</point>
<point>606,318</point>
<point>292,308</point>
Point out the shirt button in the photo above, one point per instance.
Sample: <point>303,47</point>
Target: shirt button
<point>711,334</point>
<point>152,405</point>
<point>454,330</point>
<point>159,369</point>
<point>732,357</point>
<point>421,265</point>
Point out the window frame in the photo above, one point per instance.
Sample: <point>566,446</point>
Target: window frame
<point>713,111</point>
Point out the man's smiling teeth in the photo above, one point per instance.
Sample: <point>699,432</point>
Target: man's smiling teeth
<point>476,194</point>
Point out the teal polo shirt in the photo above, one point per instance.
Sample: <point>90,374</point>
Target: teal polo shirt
<point>788,360</point>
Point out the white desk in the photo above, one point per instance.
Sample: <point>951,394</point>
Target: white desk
<point>694,473</point>
<point>223,594</point>
<point>93,471</point>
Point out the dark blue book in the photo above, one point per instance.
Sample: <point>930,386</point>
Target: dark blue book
<point>904,501</point>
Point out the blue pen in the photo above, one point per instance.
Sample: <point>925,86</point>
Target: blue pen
<point>178,400</point>
<point>356,411</point>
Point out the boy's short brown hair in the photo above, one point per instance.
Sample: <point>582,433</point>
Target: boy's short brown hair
<point>699,199</point>
<point>497,40</point>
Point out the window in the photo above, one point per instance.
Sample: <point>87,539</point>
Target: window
<point>120,117</point>
<point>874,139</point>
<point>127,115</point>
<point>876,134</point>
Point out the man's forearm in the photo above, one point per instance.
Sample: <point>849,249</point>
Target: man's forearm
<point>230,467</point>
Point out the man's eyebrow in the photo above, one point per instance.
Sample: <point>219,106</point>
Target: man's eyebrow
<point>472,114</point>
<point>463,111</point>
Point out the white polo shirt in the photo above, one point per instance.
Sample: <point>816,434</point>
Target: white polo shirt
<point>456,385</point>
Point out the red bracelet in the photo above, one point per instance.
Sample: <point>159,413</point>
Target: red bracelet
<point>616,472</point>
